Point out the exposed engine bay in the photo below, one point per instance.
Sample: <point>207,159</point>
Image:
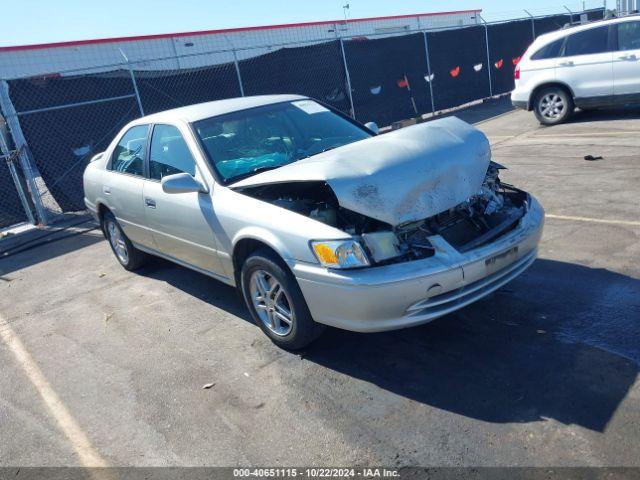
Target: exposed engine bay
<point>494,211</point>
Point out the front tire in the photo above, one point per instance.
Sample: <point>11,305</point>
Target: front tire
<point>553,105</point>
<point>128,256</point>
<point>275,301</point>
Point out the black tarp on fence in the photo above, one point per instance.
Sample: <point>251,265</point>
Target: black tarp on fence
<point>387,76</point>
<point>62,141</point>
<point>377,69</point>
<point>458,60</point>
<point>507,42</point>
<point>550,24</point>
<point>595,14</point>
<point>51,91</point>
<point>166,89</point>
<point>314,70</point>
<point>11,211</point>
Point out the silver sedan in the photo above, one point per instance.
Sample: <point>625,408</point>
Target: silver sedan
<point>317,219</point>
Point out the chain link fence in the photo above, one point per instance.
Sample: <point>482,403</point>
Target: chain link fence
<point>58,122</point>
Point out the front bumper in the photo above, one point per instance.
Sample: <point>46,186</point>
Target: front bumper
<point>411,293</point>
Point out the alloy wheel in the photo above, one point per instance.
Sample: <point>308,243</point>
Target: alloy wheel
<point>271,302</point>
<point>552,106</point>
<point>117,242</point>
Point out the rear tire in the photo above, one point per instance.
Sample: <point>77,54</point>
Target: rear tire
<point>275,301</point>
<point>127,255</point>
<point>553,105</point>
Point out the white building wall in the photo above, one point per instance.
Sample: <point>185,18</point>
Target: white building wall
<point>626,6</point>
<point>191,51</point>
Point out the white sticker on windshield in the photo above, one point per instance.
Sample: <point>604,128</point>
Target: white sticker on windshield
<point>309,106</point>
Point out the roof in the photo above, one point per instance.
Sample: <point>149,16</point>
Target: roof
<point>225,31</point>
<point>193,113</point>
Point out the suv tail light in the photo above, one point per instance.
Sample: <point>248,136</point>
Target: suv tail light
<point>516,72</point>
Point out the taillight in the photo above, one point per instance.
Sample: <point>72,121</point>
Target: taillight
<point>516,72</point>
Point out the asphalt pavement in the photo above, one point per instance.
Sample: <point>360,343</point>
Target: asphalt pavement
<point>101,366</point>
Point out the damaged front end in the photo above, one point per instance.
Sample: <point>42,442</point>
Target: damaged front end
<point>492,212</point>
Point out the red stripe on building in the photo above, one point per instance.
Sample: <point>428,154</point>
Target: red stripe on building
<point>223,31</point>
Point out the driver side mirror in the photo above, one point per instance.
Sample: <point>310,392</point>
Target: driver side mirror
<point>182,183</point>
<point>373,126</point>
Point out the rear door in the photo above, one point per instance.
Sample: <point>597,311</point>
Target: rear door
<point>586,65</point>
<point>626,61</point>
<point>123,182</point>
<point>182,223</point>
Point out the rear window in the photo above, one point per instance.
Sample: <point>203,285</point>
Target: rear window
<point>551,50</point>
<point>587,42</point>
<point>128,156</point>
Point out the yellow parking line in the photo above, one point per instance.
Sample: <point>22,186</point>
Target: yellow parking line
<point>594,220</point>
<point>86,453</point>
<point>623,133</point>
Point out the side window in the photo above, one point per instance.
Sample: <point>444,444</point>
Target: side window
<point>169,153</point>
<point>551,50</point>
<point>587,42</point>
<point>629,36</point>
<point>128,156</point>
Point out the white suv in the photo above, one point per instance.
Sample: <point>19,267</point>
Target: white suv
<point>588,66</point>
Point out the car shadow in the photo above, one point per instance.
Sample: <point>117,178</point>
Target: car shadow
<point>45,247</point>
<point>197,285</point>
<point>605,114</point>
<point>559,342</point>
<point>479,112</point>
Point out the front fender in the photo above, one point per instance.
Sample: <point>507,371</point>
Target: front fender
<point>265,236</point>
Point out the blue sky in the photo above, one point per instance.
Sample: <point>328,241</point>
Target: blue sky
<point>43,21</point>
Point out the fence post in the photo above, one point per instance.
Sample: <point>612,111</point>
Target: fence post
<point>533,24</point>
<point>237,65</point>
<point>486,38</point>
<point>346,71</point>
<point>11,117</point>
<point>430,82</point>
<point>133,81</point>
<point>426,53</point>
<point>570,14</point>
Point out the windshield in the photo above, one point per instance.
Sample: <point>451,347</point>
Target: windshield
<point>243,143</point>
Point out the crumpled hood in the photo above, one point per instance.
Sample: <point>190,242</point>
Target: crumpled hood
<point>402,176</point>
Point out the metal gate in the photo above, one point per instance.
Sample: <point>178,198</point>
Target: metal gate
<point>15,206</point>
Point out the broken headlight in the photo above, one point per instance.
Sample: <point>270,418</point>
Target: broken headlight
<point>339,253</point>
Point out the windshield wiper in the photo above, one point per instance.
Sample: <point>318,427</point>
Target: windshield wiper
<point>321,151</point>
<point>252,172</point>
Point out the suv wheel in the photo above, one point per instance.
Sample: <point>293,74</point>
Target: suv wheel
<point>553,105</point>
<point>129,256</point>
<point>276,302</point>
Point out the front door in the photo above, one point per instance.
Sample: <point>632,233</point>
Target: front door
<point>181,223</point>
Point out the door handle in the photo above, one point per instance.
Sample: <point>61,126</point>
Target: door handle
<point>106,190</point>
<point>150,202</point>
<point>566,64</point>
<point>630,56</point>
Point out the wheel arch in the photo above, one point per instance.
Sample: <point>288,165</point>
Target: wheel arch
<point>245,246</point>
<point>542,86</point>
<point>101,210</point>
